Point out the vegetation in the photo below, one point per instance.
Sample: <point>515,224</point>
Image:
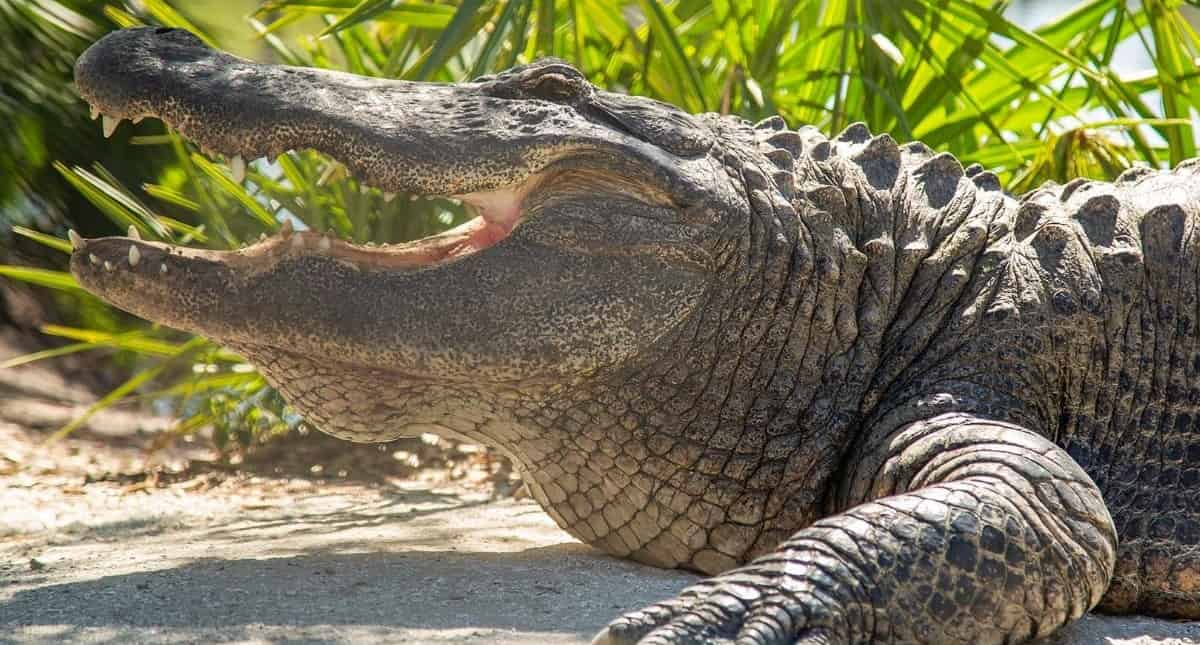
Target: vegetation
<point>1034,105</point>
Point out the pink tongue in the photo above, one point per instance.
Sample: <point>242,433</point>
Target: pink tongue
<point>487,235</point>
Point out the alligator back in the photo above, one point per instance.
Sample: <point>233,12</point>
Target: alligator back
<point>1129,365</point>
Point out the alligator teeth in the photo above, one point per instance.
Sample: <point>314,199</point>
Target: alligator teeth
<point>95,112</point>
<point>262,236</point>
<point>133,233</point>
<point>324,243</point>
<point>108,266</point>
<point>93,259</point>
<point>135,256</point>
<point>162,268</point>
<point>137,119</point>
<point>76,240</point>
<point>388,197</point>
<point>237,167</point>
<point>109,124</point>
<point>285,229</point>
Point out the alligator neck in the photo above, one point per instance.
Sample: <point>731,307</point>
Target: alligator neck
<point>719,443</point>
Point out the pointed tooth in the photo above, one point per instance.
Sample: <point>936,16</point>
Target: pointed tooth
<point>262,236</point>
<point>133,233</point>
<point>135,256</point>
<point>388,197</point>
<point>324,243</point>
<point>93,259</point>
<point>108,266</point>
<point>95,112</point>
<point>237,167</point>
<point>77,241</point>
<point>137,119</point>
<point>162,268</point>
<point>285,229</point>
<point>109,124</point>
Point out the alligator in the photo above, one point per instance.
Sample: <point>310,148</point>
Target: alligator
<point>872,395</point>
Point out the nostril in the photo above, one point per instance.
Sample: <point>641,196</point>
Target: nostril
<point>163,30</point>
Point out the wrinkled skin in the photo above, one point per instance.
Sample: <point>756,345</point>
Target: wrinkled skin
<point>874,396</point>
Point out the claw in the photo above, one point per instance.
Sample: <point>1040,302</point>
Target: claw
<point>603,638</point>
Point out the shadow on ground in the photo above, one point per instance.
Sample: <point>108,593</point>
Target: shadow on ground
<point>399,592</point>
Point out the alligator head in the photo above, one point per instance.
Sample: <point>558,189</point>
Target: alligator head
<point>633,273</point>
<point>592,236</point>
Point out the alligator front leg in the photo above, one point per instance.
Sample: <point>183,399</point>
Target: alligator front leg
<point>979,532</point>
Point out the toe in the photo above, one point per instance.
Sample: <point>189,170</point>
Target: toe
<point>688,629</point>
<point>633,626</point>
<point>768,624</point>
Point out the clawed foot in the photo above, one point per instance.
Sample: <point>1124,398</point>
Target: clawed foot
<point>736,608</point>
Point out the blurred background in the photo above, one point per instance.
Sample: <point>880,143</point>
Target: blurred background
<point>1036,90</point>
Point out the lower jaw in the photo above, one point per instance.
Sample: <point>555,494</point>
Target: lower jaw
<point>471,237</point>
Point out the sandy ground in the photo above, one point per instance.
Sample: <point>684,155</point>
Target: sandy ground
<point>101,544</point>
<point>300,562</point>
<point>297,561</point>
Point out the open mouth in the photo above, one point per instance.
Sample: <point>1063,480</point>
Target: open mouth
<point>496,214</point>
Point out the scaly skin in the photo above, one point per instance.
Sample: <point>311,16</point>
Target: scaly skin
<point>873,395</point>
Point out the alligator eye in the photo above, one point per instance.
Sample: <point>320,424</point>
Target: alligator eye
<point>555,87</point>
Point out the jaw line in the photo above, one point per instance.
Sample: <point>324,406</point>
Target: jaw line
<point>497,213</point>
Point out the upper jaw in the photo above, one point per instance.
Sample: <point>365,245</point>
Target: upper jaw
<point>437,139</point>
<point>398,136</point>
